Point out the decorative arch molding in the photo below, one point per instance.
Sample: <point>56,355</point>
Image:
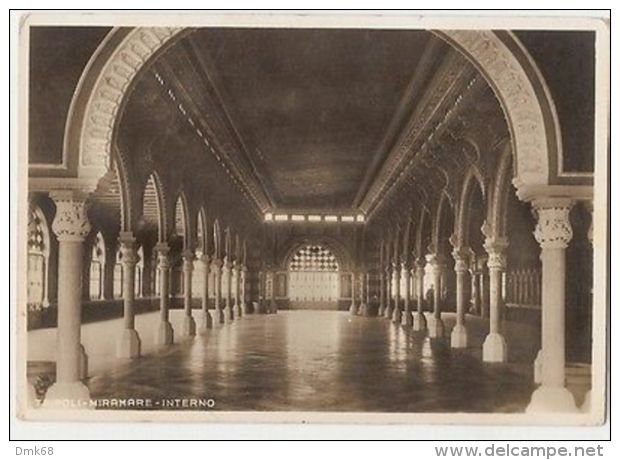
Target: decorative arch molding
<point>530,112</point>
<point>340,251</point>
<point>497,210</point>
<point>161,199</point>
<point>499,56</point>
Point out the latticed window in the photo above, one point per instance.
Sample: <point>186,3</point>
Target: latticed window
<point>313,275</point>
<point>97,263</point>
<point>38,252</point>
<point>313,258</point>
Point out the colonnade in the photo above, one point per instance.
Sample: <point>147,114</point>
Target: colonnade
<point>553,232</point>
<point>71,226</point>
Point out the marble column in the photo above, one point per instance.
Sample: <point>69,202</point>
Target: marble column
<point>353,306</point>
<point>363,307</point>
<point>419,320</point>
<point>458,337</point>
<point>435,324</point>
<point>388,293</point>
<point>128,344</point>
<point>273,306</point>
<point>236,277</point>
<point>247,308</point>
<point>553,233</point>
<point>229,314</point>
<point>381,311</point>
<point>207,320</point>
<point>494,349</point>
<point>165,333</point>
<point>407,320</point>
<point>475,291</point>
<point>71,227</point>
<point>397,314</point>
<point>189,324</point>
<point>216,268</point>
<point>587,402</point>
<point>368,299</point>
<point>483,289</point>
<point>262,292</point>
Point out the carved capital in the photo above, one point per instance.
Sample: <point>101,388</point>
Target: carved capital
<point>496,250</point>
<point>128,248</point>
<point>216,266</point>
<point>71,221</point>
<point>461,259</point>
<point>553,229</point>
<point>162,255</point>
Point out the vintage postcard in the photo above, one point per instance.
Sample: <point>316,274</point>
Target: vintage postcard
<point>339,218</point>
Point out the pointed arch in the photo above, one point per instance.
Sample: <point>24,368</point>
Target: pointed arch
<point>497,209</point>
<point>97,267</point>
<point>38,247</point>
<point>217,240</point>
<point>472,179</point>
<point>181,220</point>
<point>202,238</point>
<point>153,207</point>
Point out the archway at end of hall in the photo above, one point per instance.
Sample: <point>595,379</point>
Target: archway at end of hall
<point>313,278</point>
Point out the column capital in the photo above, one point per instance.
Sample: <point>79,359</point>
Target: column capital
<point>205,259</point>
<point>71,220</point>
<point>496,250</point>
<point>244,268</point>
<point>128,248</point>
<point>162,250</point>
<point>461,259</point>
<point>553,229</point>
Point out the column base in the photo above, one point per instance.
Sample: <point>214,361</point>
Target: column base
<point>435,328</point>
<point>397,316</point>
<point>189,326</point>
<point>407,319</point>
<point>353,309</point>
<point>419,322</point>
<point>229,314</point>
<point>494,349</point>
<point>83,364</point>
<point>587,403</point>
<point>538,367</point>
<point>363,309</point>
<point>458,337</point>
<point>221,317</point>
<point>551,399</point>
<point>388,312</point>
<point>165,334</point>
<point>237,311</point>
<point>67,395</point>
<point>128,344</point>
<point>207,321</point>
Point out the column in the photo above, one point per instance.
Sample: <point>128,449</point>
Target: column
<point>236,278</point>
<point>165,333</point>
<point>587,402</point>
<point>553,233</point>
<point>128,344</point>
<point>216,268</point>
<point>189,325</point>
<point>71,227</point>
<point>435,324</point>
<point>367,291</point>
<point>381,311</point>
<point>353,306</point>
<point>483,289</point>
<point>363,306</point>
<point>397,314</point>
<point>494,349</point>
<point>458,337</point>
<point>244,290</point>
<point>475,291</point>
<point>407,320</point>
<point>262,292</point>
<point>389,304</point>
<point>229,314</point>
<point>207,320</point>
<point>419,320</point>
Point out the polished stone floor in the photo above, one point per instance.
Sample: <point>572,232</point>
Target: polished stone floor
<point>324,361</point>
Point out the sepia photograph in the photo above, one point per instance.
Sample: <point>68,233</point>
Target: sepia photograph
<point>312,218</point>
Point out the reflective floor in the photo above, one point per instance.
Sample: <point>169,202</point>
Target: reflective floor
<point>323,361</point>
